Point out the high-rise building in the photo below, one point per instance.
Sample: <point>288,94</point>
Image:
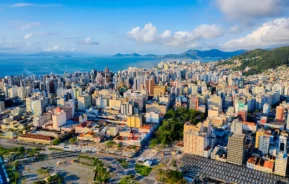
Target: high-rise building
<point>264,144</point>
<point>237,127</point>
<point>287,122</point>
<point>29,104</point>
<point>70,103</point>
<point>84,101</point>
<point>194,103</point>
<point>2,101</point>
<point>126,109</point>
<point>281,164</point>
<point>282,147</point>
<point>37,107</point>
<point>242,115</point>
<point>236,145</point>
<point>266,109</point>
<point>216,101</point>
<point>58,118</point>
<point>197,138</point>
<point>60,101</point>
<point>159,90</point>
<point>279,113</point>
<point>152,117</point>
<point>259,133</point>
<point>134,121</point>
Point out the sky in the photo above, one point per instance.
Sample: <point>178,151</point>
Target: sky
<point>142,26</point>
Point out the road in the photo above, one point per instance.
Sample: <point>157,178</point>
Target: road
<point>8,143</point>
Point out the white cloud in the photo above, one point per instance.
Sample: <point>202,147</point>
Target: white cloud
<point>20,25</point>
<point>147,34</point>
<point>29,25</point>
<point>5,47</point>
<point>166,34</point>
<point>53,48</point>
<point>27,36</point>
<point>18,5</point>
<point>57,48</point>
<point>248,10</point>
<point>207,31</point>
<point>88,41</point>
<point>235,29</point>
<point>181,38</point>
<point>22,5</point>
<point>272,33</point>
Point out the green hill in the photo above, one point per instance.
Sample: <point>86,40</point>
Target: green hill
<point>260,60</point>
<point>190,54</point>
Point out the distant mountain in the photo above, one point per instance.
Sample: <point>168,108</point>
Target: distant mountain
<point>190,54</point>
<point>259,60</point>
<point>197,54</point>
<point>127,55</point>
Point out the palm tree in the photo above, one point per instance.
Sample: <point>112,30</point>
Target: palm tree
<point>16,175</point>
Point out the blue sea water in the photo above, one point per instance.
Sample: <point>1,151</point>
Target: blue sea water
<point>45,65</point>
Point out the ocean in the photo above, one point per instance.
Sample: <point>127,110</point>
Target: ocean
<point>45,65</point>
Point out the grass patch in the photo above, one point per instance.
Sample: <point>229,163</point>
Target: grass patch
<point>143,170</point>
<point>43,171</point>
<point>55,149</point>
<point>128,179</point>
<point>170,177</point>
<point>123,163</point>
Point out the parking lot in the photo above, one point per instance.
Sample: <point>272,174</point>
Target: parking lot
<point>73,173</point>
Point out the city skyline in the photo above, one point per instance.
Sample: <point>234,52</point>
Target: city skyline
<point>160,27</point>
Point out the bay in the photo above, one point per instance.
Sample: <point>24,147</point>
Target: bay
<point>29,65</point>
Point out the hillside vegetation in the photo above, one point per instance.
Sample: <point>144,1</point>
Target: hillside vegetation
<point>189,54</point>
<point>173,125</point>
<point>260,60</point>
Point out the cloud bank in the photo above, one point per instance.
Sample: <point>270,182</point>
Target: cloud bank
<point>57,48</point>
<point>88,41</point>
<point>249,10</point>
<point>148,34</point>
<point>272,33</point>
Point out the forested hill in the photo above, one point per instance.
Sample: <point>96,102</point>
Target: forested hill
<point>260,60</point>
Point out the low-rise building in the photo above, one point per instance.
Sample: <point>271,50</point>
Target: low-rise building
<point>34,138</point>
<point>91,136</point>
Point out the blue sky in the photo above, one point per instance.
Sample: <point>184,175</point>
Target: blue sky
<point>144,26</point>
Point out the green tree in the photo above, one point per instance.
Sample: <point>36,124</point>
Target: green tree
<point>21,149</point>
<point>119,145</point>
<point>154,142</point>
<point>173,125</point>
<point>128,180</point>
<point>40,182</point>
<point>110,143</point>
<point>16,175</point>
<point>56,141</point>
<point>72,140</point>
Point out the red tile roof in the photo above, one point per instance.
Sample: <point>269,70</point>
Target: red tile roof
<point>36,136</point>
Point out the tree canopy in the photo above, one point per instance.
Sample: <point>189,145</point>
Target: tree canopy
<point>260,60</point>
<point>173,125</point>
